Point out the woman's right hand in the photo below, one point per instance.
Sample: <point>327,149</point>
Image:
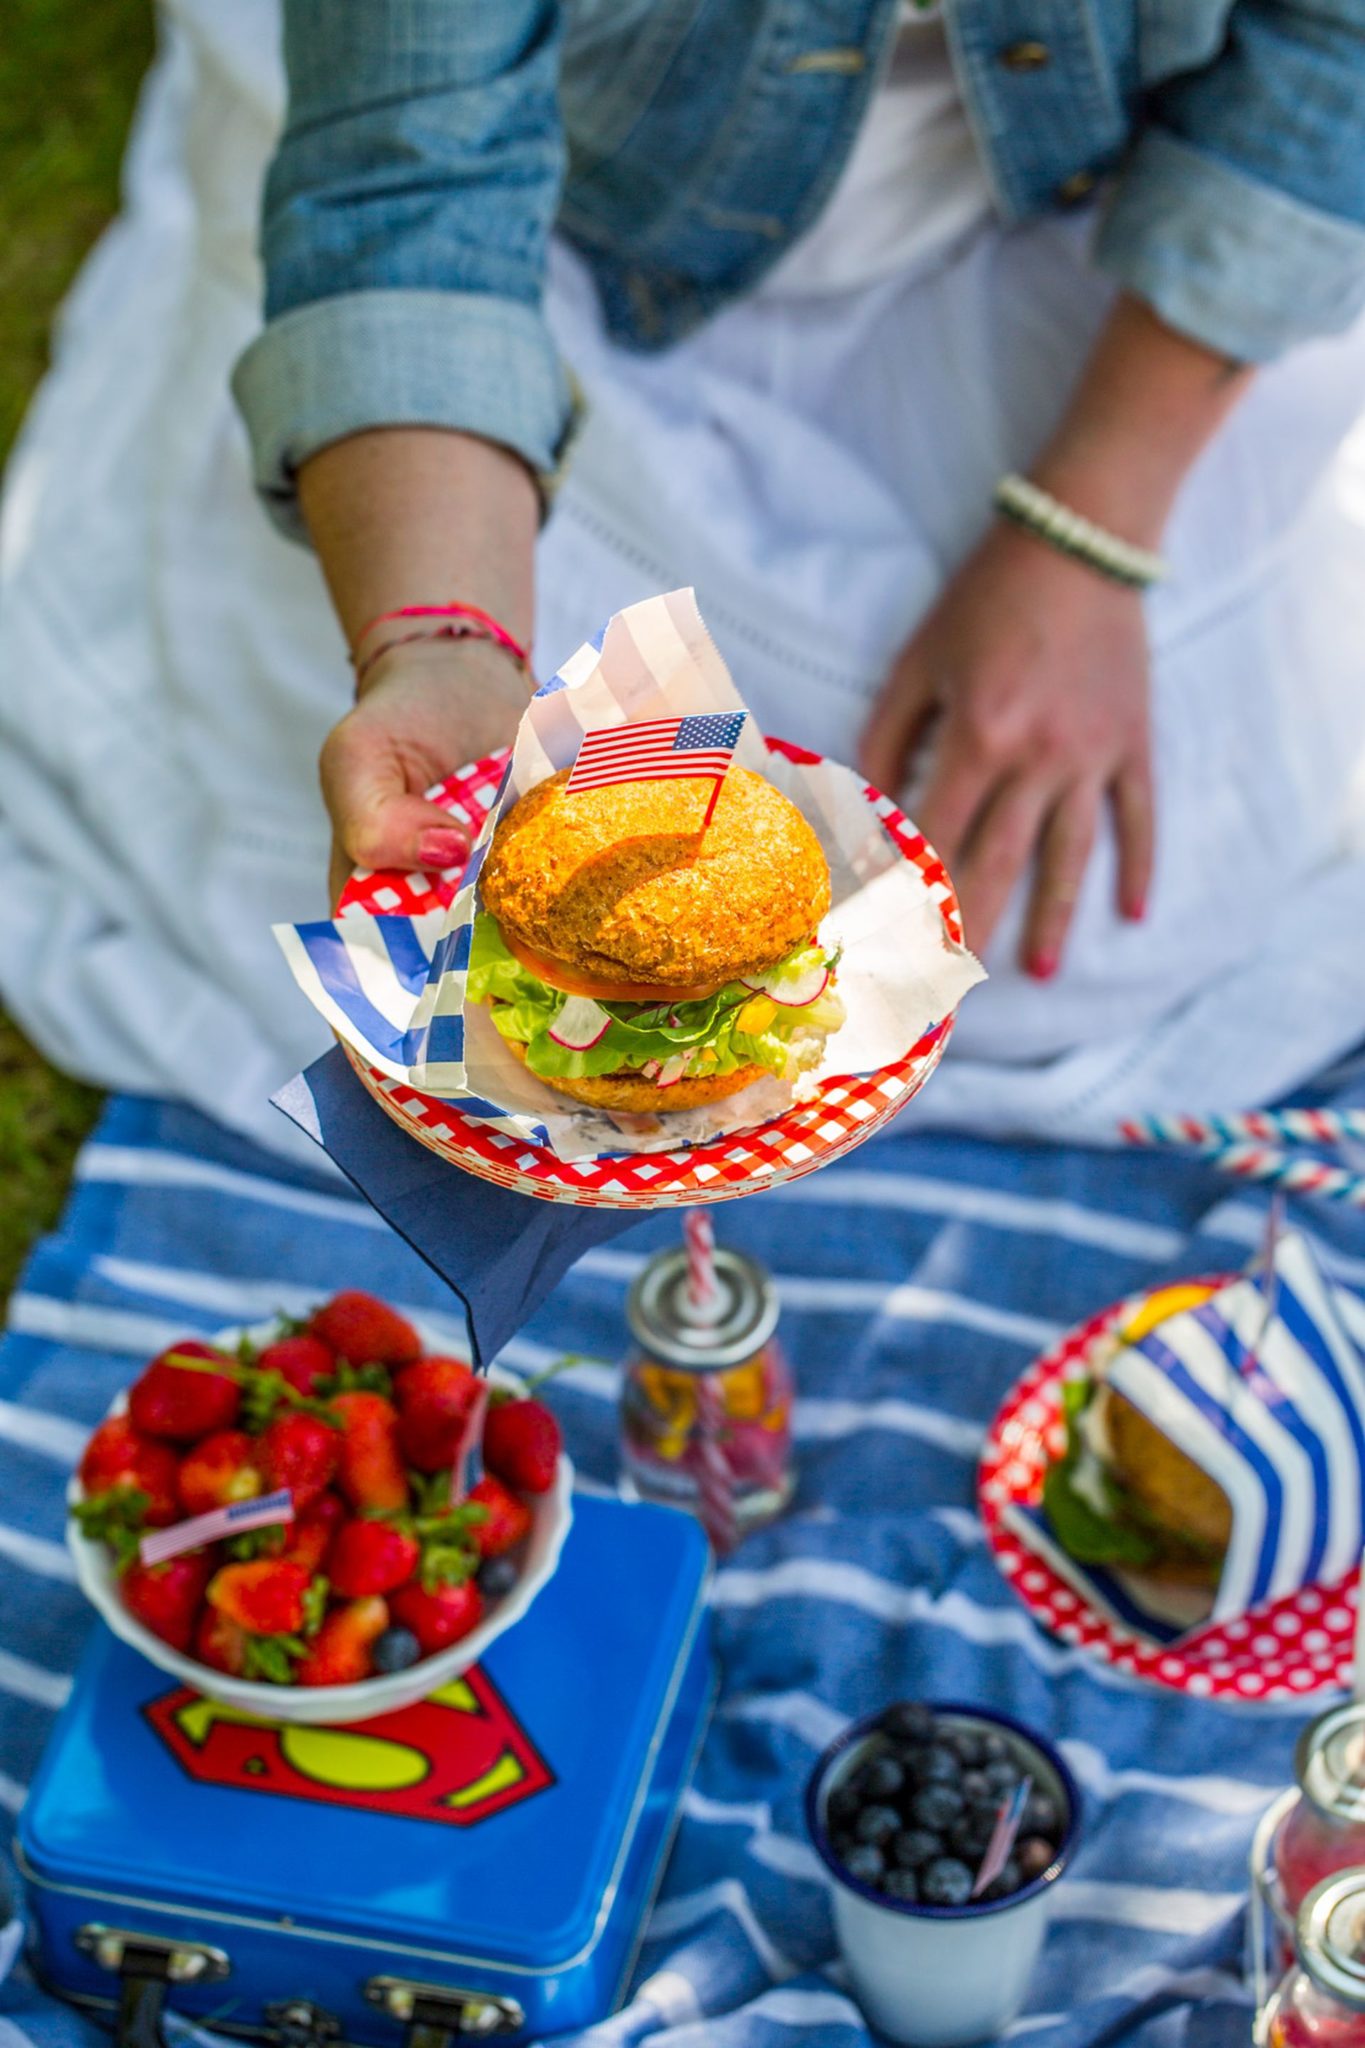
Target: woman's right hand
<point>424,710</point>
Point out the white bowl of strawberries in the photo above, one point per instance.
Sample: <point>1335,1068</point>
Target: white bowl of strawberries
<point>377,1590</point>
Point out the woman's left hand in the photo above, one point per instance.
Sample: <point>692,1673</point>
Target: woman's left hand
<point>1032,670</point>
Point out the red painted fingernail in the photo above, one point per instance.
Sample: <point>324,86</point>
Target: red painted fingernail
<point>1043,966</point>
<point>439,848</point>
<point>1136,910</point>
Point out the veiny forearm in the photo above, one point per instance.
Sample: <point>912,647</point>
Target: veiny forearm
<point>419,515</point>
<point>1147,402</point>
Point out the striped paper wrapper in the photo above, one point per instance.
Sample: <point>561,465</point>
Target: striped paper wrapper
<point>1262,1386</point>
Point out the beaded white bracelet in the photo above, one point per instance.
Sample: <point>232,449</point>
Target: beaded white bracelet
<point>1035,509</point>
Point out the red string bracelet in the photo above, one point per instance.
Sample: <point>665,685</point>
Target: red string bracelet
<point>457,622</point>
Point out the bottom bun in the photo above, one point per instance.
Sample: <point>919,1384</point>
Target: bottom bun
<point>637,1097</point>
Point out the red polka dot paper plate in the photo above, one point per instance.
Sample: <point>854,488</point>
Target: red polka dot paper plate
<point>844,1110</point>
<point>1286,1649</point>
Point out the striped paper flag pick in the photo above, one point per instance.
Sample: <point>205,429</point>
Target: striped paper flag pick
<point>233,1520</point>
<point>660,750</point>
<point>1007,1825</point>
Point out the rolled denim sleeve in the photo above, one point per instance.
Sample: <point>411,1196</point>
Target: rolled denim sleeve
<point>406,218</point>
<point>1240,215</point>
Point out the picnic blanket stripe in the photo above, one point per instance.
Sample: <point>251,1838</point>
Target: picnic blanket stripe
<point>947,1265</point>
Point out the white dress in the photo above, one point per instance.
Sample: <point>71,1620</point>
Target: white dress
<point>815,461</point>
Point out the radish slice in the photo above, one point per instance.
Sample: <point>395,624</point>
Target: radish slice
<point>580,1024</point>
<point>672,1070</point>
<point>651,1070</point>
<point>793,991</point>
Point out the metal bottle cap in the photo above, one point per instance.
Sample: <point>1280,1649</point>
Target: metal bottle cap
<point>1331,1938</point>
<point>1329,1762</point>
<point>665,1324</point>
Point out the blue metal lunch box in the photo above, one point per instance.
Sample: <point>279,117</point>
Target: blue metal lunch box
<point>480,1863</point>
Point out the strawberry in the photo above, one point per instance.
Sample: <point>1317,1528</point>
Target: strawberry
<point>309,1538</point>
<point>118,1459</point>
<point>521,1444</point>
<point>303,1362</point>
<point>365,1331</point>
<point>370,1466</point>
<point>434,1398</point>
<point>183,1402</point>
<point>219,1643</point>
<point>221,1469</point>
<point>341,1653</point>
<point>371,1557</point>
<point>299,1451</point>
<point>165,1597</point>
<point>440,1615</point>
<point>265,1596</point>
<point>507,1520</point>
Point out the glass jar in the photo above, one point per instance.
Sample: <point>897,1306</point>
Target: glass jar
<point>1321,2002</point>
<point>707,1397</point>
<point>1323,1832</point>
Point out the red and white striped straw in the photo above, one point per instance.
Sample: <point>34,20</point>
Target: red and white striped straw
<point>715,1480</point>
<point>703,1289</point>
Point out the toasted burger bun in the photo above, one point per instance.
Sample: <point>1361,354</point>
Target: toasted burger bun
<point>637,1096</point>
<point>1179,1497</point>
<point>621,884</point>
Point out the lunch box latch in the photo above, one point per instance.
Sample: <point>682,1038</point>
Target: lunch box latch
<point>146,1966</point>
<point>438,2014</point>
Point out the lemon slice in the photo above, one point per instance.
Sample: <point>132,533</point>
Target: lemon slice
<point>1166,1302</point>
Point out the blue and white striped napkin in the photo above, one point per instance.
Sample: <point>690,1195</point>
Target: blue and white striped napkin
<point>1262,1386</point>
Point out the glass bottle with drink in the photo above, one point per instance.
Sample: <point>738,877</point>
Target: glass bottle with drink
<point>707,1396</point>
<point>1321,2001</point>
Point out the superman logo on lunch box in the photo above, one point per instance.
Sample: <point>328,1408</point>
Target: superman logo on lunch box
<point>460,1756</point>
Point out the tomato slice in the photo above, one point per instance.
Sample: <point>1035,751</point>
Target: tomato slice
<point>574,982</point>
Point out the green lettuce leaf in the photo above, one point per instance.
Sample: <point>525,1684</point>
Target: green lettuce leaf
<point>706,1032</point>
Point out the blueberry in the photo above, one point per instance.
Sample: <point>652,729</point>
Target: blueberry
<point>497,1577</point>
<point>877,1824</point>
<point>842,1805</point>
<point>883,1778</point>
<point>946,1883</point>
<point>865,1862</point>
<point>908,1721</point>
<point>995,1748</point>
<point>936,1807</point>
<point>970,1836</point>
<point>1035,1854</point>
<point>1002,1776</point>
<point>938,1766</point>
<point>901,1885</point>
<point>395,1650</point>
<point>969,1746</point>
<point>975,1788</point>
<point>1007,1883</point>
<point>1041,1816</point>
<point>914,1847</point>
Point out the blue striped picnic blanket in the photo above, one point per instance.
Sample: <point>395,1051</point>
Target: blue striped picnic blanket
<point>917,1281</point>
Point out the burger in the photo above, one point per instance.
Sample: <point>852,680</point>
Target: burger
<point>1122,1495</point>
<point>638,963</point>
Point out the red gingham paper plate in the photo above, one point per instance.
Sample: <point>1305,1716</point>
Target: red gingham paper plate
<point>1285,1649</point>
<point>843,1112</point>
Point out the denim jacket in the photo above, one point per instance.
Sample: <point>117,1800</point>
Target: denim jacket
<point>432,145</point>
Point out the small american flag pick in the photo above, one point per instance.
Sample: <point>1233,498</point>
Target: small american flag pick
<point>660,750</point>
<point>1007,1823</point>
<point>233,1520</point>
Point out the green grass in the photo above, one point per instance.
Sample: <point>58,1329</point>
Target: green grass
<point>69,73</point>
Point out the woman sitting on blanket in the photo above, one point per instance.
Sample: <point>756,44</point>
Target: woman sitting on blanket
<point>985,367</point>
